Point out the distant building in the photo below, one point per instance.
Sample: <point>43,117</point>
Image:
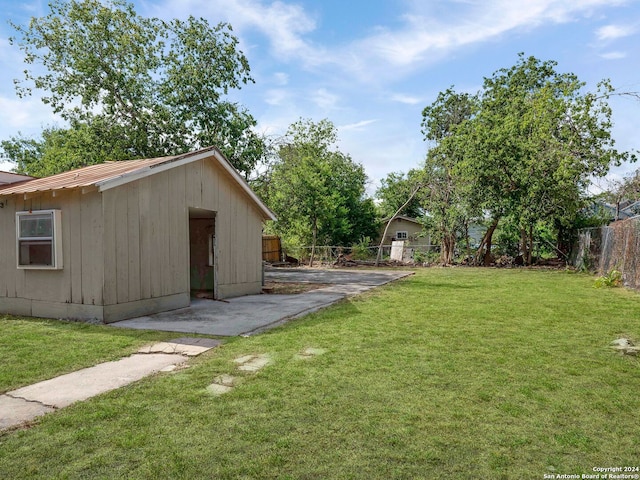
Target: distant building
<point>403,228</point>
<point>626,209</point>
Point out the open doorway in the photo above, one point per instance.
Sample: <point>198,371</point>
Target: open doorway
<point>202,253</point>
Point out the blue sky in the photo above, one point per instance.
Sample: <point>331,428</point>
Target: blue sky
<point>372,66</point>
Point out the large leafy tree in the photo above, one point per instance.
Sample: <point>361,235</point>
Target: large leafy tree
<point>316,191</point>
<point>149,87</point>
<point>534,145</point>
<point>61,149</point>
<point>447,200</point>
<point>393,192</point>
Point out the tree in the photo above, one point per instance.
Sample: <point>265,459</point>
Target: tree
<point>316,191</point>
<point>447,200</point>
<point>393,192</point>
<point>534,145</point>
<point>62,149</point>
<point>150,87</point>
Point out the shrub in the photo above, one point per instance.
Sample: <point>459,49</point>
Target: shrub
<point>361,250</point>
<point>611,279</point>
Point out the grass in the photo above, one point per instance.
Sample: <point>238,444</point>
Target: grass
<point>451,373</point>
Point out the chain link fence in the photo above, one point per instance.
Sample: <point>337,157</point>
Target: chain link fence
<point>614,247</point>
<point>330,254</point>
<point>412,254</point>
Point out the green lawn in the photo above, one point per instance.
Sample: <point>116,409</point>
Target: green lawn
<point>451,373</point>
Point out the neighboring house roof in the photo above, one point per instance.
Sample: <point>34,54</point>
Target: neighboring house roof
<point>109,175</point>
<point>631,210</point>
<point>10,177</point>
<point>402,217</point>
<point>626,209</point>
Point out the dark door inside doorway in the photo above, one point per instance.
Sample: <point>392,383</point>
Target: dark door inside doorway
<point>202,253</point>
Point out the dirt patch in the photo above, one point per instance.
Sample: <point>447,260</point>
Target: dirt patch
<point>286,288</point>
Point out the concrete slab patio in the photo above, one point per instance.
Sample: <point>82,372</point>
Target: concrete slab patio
<point>255,313</point>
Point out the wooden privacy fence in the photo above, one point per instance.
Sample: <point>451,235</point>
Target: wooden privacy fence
<point>271,248</point>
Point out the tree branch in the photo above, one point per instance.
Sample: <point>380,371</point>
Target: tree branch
<point>384,234</point>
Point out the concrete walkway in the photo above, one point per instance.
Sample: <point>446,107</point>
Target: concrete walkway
<point>255,313</point>
<point>24,404</point>
<point>237,316</point>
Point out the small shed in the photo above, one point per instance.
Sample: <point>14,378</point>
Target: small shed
<point>129,238</point>
<point>403,228</point>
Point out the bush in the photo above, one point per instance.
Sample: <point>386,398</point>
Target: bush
<point>611,279</point>
<point>425,257</point>
<point>361,250</point>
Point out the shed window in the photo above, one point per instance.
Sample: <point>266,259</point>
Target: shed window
<point>402,235</point>
<point>38,239</point>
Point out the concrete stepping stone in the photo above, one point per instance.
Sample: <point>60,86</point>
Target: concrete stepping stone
<point>217,389</point>
<point>311,352</point>
<point>244,359</point>
<point>190,347</point>
<point>252,363</point>
<point>247,363</point>
<point>222,384</point>
<point>227,380</point>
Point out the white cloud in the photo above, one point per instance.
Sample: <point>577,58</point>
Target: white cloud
<point>281,78</point>
<point>613,55</point>
<point>284,24</point>
<point>406,99</point>
<point>427,31</point>
<point>6,166</point>
<point>612,32</point>
<point>475,22</point>
<point>356,126</point>
<point>324,99</point>
<point>275,97</point>
<point>27,115</point>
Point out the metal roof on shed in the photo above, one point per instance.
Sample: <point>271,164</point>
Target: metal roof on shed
<point>112,174</point>
<point>10,177</point>
<point>82,177</point>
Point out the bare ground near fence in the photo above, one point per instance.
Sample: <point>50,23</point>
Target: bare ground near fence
<point>330,255</point>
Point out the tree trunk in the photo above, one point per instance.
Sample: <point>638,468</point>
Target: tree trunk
<point>485,245</point>
<point>448,248</point>
<point>530,259</point>
<point>524,245</point>
<point>313,244</point>
<point>560,239</point>
<point>564,242</point>
<point>467,240</point>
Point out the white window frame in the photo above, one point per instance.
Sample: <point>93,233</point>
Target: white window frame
<point>55,239</point>
<point>402,235</point>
